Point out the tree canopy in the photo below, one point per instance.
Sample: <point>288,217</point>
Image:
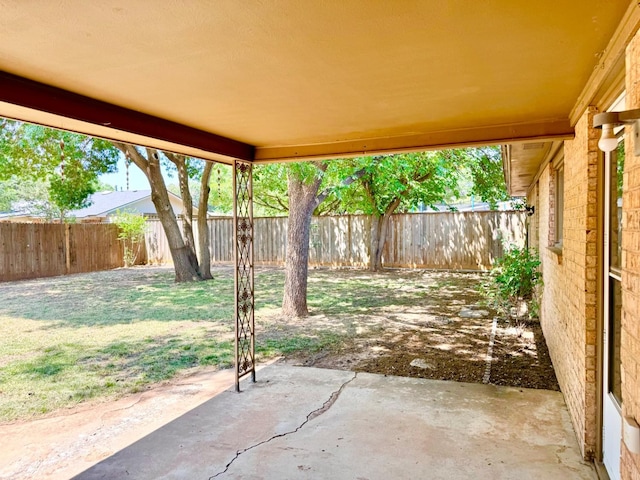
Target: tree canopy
<point>68,164</point>
<point>415,180</point>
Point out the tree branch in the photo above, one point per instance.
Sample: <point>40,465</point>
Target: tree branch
<point>393,206</point>
<point>134,155</point>
<point>281,206</point>
<point>346,182</point>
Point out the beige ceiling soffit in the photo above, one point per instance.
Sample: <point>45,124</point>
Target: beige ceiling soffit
<point>611,89</point>
<point>24,114</point>
<point>20,91</point>
<point>495,135</point>
<point>552,153</point>
<point>611,60</point>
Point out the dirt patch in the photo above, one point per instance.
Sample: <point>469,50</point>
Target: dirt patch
<point>444,336</point>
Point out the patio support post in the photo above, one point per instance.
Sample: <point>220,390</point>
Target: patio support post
<point>243,253</point>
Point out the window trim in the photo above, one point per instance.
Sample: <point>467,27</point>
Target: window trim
<point>558,205</point>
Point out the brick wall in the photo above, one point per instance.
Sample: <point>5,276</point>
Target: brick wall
<point>568,307</point>
<point>630,351</point>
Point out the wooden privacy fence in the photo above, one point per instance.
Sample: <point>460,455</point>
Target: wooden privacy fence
<point>31,250</point>
<point>446,240</point>
<point>465,241</point>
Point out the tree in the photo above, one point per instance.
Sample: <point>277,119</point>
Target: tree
<point>304,180</point>
<point>131,233</point>
<point>378,186</point>
<point>399,183</point>
<point>67,163</point>
<point>181,243</point>
<point>270,189</point>
<point>183,167</point>
<point>303,198</point>
<point>203,224</point>
<point>221,190</point>
<point>485,166</point>
<point>26,196</point>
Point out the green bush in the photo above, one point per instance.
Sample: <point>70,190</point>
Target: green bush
<point>132,227</point>
<point>516,277</point>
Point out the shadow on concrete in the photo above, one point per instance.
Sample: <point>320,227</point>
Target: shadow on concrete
<point>301,423</point>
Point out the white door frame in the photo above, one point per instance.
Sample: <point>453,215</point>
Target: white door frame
<point>611,413</point>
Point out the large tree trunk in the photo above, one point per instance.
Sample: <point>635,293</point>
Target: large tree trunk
<point>302,203</point>
<point>203,224</point>
<point>180,161</point>
<point>375,248</point>
<point>180,253</point>
<point>379,229</point>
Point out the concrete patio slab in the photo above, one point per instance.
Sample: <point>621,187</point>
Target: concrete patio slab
<point>303,423</point>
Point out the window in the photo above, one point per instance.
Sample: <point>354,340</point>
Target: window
<point>615,178</point>
<point>557,205</point>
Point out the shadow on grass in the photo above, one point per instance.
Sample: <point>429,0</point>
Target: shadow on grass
<point>68,373</point>
<point>122,297</point>
<point>360,291</point>
<point>129,296</point>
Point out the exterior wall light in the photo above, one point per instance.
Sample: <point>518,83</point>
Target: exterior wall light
<point>608,120</point>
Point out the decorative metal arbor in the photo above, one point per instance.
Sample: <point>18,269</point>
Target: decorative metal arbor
<point>244,292</point>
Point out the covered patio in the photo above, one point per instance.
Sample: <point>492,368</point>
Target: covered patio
<point>247,83</point>
<point>301,422</point>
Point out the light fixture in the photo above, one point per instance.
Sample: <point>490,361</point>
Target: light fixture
<point>608,120</point>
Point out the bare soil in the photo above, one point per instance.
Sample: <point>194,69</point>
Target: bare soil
<point>446,336</point>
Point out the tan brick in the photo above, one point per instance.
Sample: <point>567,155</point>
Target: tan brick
<point>630,344</point>
<point>568,307</point>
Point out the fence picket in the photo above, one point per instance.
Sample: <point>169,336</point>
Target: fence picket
<point>469,240</point>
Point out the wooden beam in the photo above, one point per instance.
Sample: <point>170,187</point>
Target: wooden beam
<point>491,135</point>
<point>38,96</point>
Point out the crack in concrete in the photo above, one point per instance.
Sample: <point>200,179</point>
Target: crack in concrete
<point>314,414</point>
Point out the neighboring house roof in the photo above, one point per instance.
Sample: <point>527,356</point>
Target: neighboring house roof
<point>103,204</point>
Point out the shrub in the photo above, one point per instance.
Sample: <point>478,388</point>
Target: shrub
<point>132,227</point>
<point>516,277</point>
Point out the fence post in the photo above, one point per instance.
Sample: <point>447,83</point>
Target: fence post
<point>67,246</point>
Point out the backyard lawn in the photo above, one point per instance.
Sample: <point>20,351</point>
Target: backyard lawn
<point>69,339</point>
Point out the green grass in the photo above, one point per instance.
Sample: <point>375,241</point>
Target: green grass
<point>68,339</point>
<point>64,340</point>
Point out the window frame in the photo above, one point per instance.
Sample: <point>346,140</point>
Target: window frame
<point>557,234</point>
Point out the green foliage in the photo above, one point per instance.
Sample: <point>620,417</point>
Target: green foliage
<point>68,163</point>
<point>32,151</point>
<point>620,168</point>
<point>270,194</point>
<point>485,165</point>
<point>516,277</point>
<point>221,193</point>
<point>132,227</point>
<point>414,179</point>
<point>71,191</point>
<point>29,197</point>
<point>408,180</point>
<point>9,194</point>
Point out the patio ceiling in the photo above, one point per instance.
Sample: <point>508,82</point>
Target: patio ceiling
<point>283,80</point>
